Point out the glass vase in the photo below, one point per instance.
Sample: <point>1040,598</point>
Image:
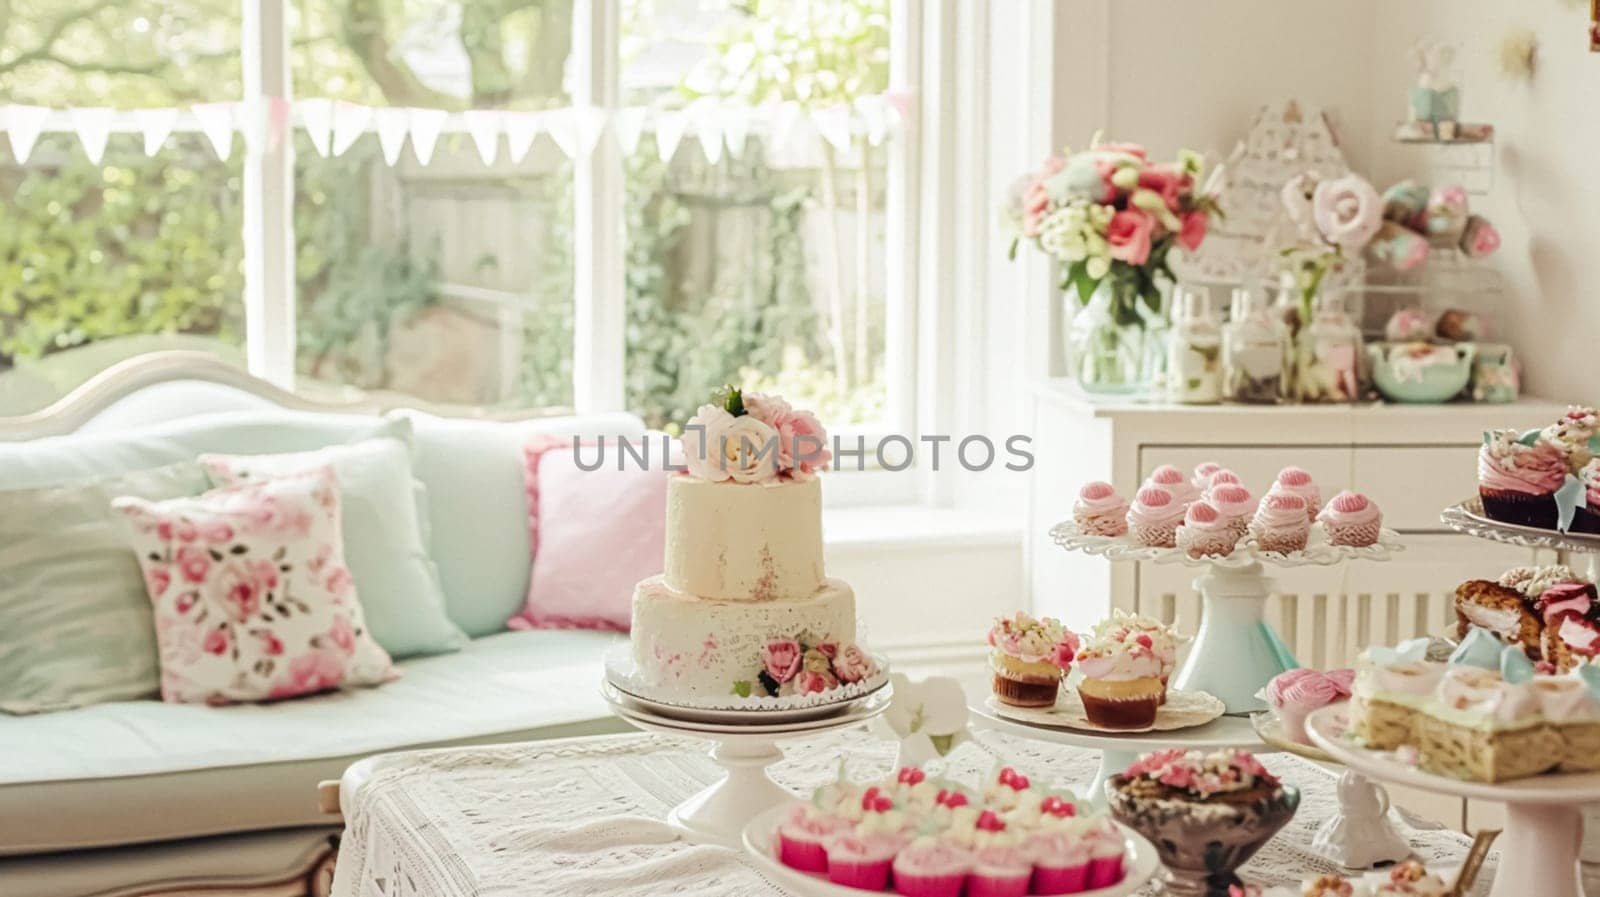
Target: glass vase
<point>1108,342</point>
<point>1327,354</point>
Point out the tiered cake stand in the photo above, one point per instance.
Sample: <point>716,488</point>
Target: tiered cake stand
<point>1235,652</point>
<point>744,743</point>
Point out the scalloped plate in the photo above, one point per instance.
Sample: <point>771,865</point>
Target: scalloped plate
<point>1318,552</point>
<point>1468,517</point>
<point>731,709</point>
<point>1183,710</point>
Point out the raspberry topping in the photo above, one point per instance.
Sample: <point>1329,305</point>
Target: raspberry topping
<point>1166,474</point>
<point>1201,512</point>
<point>1096,490</point>
<point>1154,497</point>
<point>1294,476</point>
<point>990,822</point>
<point>1349,502</point>
<point>1233,493</point>
<point>1224,476</point>
<point>1285,501</point>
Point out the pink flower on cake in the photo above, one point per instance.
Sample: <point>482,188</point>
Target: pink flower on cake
<point>749,450</point>
<point>782,659</point>
<point>1129,236</point>
<point>702,437</point>
<point>853,665</point>
<point>809,682</point>
<point>805,445</point>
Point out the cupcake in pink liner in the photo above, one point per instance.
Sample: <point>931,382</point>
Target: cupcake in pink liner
<point>861,861</point>
<point>930,867</point>
<point>1351,519</point>
<point>1281,523</point>
<point>1060,861</point>
<point>1296,693</point>
<point>1297,482</point>
<point>1100,511</point>
<point>1205,532</point>
<point>1001,864</point>
<point>1154,517</point>
<point>1201,480</point>
<point>1106,853</point>
<point>1236,505</point>
<point>803,837</point>
<point>1172,479</point>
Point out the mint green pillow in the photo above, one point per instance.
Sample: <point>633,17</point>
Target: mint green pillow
<point>75,621</point>
<point>384,545</point>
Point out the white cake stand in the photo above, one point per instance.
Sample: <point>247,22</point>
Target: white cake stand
<point>1544,826</point>
<point>719,813</point>
<point>1360,835</point>
<point>1235,651</point>
<point>1117,752</point>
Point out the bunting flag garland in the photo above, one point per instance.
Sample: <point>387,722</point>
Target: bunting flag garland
<point>833,123</point>
<point>562,129</point>
<point>216,122</point>
<point>484,126</point>
<point>316,116</point>
<point>629,128</point>
<point>591,124</point>
<point>874,114</point>
<point>669,131</point>
<point>425,127</point>
<point>93,125</point>
<point>521,130</point>
<point>349,123</point>
<point>736,129</point>
<point>156,126</point>
<point>23,124</point>
<point>786,118</point>
<point>391,123</point>
<point>706,117</point>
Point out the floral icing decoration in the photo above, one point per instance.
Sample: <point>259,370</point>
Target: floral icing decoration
<point>1042,640</point>
<point>796,667</point>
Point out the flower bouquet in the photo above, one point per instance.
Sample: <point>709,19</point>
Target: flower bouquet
<point>1110,217</point>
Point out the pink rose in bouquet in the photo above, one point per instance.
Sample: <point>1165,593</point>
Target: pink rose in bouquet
<point>1129,236</point>
<point>1194,230</point>
<point>782,659</point>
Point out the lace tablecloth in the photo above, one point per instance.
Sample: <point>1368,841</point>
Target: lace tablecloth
<point>585,816</point>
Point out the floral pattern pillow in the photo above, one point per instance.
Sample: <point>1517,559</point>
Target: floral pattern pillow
<point>251,594</point>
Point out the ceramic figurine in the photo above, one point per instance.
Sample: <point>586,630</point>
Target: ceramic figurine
<point>1435,97</point>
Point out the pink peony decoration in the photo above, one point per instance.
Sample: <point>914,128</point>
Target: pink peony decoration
<point>782,659</point>
<point>1129,236</point>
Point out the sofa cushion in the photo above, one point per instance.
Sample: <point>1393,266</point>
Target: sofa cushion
<point>396,579</point>
<point>75,623</point>
<point>140,771</point>
<point>473,472</point>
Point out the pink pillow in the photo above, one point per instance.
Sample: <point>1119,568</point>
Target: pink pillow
<point>595,535</point>
<point>251,596</point>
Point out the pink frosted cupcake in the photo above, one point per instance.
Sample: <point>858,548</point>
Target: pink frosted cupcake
<point>1281,523</point>
<point>1223,477</point>
<point>1517,482</point>
<point>1100,511</point>
<point>803,836</point>
<point>1201,480</point>
<point>1106,852</point>
<point>1172,479</point>
<point>1001,864</point>
<point>1297,482</point>
<point>1236,505</point>
<point>1060,861</point>
<point>1154,517</point>
<point>1205,532</point>
<point>931,868</point>
<point>1351,519</point>
<point>861,861</point>
<point>1296,693</point>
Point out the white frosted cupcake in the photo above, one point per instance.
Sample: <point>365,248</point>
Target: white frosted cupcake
<point>1281,523</point>
<point>1297,482</point>
<point>1100,511</point>
<point>1172,479</point>
<point>1205,532</point>
<point>1154,517</point>
<point>1351,519</point>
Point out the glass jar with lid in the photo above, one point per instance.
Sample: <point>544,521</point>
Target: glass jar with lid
<point>1194,350</point>
<point>1328,353</point>
<point>1255,351</point>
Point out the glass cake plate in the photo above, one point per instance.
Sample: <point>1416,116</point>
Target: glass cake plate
<point>622,674</point>
<point>1468,517</point>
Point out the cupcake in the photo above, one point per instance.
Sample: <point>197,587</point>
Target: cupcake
<point>1294,694</point>
<point>1028,658</point>
<point>1106,852</point>
<point>1518,481</point>
<point>1571,434</point>
<point>1060,861</point>
<point>1100,511</point>
<point>1201,481</point>
<point>1587,517</point>
<point>1205,532</point>
<point>1121,685</point>
<point>1154,517</point>
<point>1281,523</point>
<point>1409,879</point>
<point>803,836</point>
<point>1298,482</point>
<point>1001,864</point>
<point>860,861</point>
<point>1172,479</point>
<point>929,867</point>
<point>1236,505</point>
<point>1351,519</point>
<point>1222,476</point>
<point>1164,640</point>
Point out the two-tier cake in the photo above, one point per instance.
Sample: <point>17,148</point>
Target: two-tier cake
<point>744,606</point>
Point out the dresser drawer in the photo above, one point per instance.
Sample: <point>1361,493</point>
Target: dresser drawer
<point>1413,484</point>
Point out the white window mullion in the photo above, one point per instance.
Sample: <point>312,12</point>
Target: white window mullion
<point>599,314</point>
<point>901,224</point>
<point>269,291</point>
<point>935,139</point>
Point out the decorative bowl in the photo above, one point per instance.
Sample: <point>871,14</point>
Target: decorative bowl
<point>1421,373</point>
<point>1202,844</point>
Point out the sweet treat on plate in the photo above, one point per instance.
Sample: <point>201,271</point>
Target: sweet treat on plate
<point>1501,610</point>
<point>744,606</point>
<point>1236,505</point>
<point>1154,518</point>
<point>1587,518</point>
<point>1518,477</point>
<point>1571,618</point>
<point>1028,658</point>
<point>1351,519</point>
<point>1485,715</point>
<point>1201,480</point>
<point>1297,482</point>
<point>1281,523</point>
<point>1571,434</point>
<point>1172,479</point>
<point>1549,612</point>
<point>1294,694</point>
<point>1164,640</point>
<point>1232,778</point>
<point>1531,582</point>
<point>1100,511</point>
<point>1121,686</point>
<point>1222,476</point>
<point>930,839</point>
<point>1205,532</point>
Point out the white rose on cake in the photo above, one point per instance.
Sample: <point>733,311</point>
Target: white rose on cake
<point>718,446</point>
<point>702,437</point>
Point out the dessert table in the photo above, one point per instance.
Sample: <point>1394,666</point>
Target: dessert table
<point>588,815</point>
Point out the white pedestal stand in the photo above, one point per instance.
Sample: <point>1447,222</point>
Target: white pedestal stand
<point>1544,826</point>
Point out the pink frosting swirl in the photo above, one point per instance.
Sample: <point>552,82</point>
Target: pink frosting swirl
<point>1281,510</point>
<point>1172,479</point>
<point>1155,506</point>
<point>1232,500</point>
<point>1222,475</point>
<point>1344,678</point>
<point>1099,498</point>
<point>1297,482</point>
<point>1508,465</point>
<point>1350,509</point>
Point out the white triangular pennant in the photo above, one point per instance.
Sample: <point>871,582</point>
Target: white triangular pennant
<point>93,125</point>
<point>317,117</point>
<point>833,123</point>
<point>156,126</point>
<point>872,111</point>
<point>23,124</point>
<point>425,127</point>
<point>562,129</point>
<point>216,122</point>
<point>669,130</point>
<point>484,126</point>
<point>707,127</point>
<point>349,123</point>
<point>391,123</point>
<point>591,126</point>
<point>521,129</point>
<point>735,128</point>
<point>628,128</point>
<point>785,118</point>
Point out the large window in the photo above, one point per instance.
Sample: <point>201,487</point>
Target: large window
<point>490,203</point>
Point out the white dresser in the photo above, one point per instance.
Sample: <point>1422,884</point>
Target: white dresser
<point>1413,460</point>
